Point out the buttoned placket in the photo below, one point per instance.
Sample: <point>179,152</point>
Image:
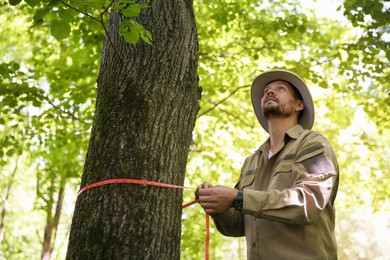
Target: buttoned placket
<point>261,183</point>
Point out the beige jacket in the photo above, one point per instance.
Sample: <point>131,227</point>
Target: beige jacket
<point>288,210</point>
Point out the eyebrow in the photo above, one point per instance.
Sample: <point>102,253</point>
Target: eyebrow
<point>280,84</point>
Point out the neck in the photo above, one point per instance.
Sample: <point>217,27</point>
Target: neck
<point>277,128</point>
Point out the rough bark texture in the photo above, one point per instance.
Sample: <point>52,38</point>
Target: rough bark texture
<point>145,114</point>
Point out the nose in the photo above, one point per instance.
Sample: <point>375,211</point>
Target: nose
<point>269,91</point>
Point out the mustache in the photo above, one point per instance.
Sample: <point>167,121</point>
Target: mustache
<point>271,97</point>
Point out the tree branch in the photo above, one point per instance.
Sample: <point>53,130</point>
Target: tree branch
<point>105,30</point>
<point>46,98</point>
<point>237,117</point>
<point>100,21</point>
<point>78,10</point>
<point>222,100</point>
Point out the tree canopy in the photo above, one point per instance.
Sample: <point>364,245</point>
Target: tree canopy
<point>50,58</point>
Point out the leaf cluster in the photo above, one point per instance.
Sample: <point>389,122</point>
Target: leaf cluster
<point>130,29</point>
<point>62,15</point>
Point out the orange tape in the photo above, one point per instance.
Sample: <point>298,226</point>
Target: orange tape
<point>190,204</point>
<point>158,184</point>
<point>131,181</point>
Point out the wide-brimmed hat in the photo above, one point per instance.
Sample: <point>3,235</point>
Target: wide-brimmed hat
<point>265,78</point>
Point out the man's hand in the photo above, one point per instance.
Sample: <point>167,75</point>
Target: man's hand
<point>204,185</point>
<point>215,199</point>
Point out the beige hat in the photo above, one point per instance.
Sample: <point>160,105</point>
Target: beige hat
<point>265,78</point>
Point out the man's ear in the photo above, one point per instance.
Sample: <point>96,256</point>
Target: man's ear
<point>300,106</point>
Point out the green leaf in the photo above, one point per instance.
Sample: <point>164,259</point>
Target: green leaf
<point>10,152</point>
<point>60,29</point>
<point>146,36</point>
<point>323,84</point>
<point>68,15</point>
<point>118,6</point>
<point>131,37</point>
<point>93,25</point>
<point>133,10</point>
<point>51,16</point>
<point>40,14</point>
<point>14,2</point>
<point>36,103</point>
<point>129,23</point>
<point>37,23</point>
<point>32,3</point>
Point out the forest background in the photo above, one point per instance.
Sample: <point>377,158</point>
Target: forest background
<point>50,57</point>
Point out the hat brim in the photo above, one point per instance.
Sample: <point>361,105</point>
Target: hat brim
<point>261,81</point>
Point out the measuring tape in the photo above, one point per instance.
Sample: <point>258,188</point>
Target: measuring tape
<point>157,184</point>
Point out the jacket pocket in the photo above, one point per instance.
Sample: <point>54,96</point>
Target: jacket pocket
<point>281,177</point>
<point>246,181</point>
<point>282,167</point>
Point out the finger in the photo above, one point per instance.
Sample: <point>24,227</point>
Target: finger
<point>196,194</point>
<point>200,187</point>
<point>206,185</point>
<point>210,192</point>
<point>209,208</point>
<point>197,190</point>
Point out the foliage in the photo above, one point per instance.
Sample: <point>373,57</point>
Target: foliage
<point>47,95</point>
<point>61,16</point>
<point>370,54</point>
<point>50,59</point>
<point>131,30</point>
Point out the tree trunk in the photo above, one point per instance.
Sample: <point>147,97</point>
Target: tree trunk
<point>145,114</point>
<point>5,204</point>
<point>52,225</point>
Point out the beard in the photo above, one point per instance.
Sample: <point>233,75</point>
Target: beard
<point>276,111</point>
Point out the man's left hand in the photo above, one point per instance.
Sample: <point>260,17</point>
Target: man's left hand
<point>216,199</point>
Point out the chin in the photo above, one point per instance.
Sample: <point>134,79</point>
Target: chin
<point>271,112</point>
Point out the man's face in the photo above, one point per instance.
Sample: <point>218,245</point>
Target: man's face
<point>279,100</point>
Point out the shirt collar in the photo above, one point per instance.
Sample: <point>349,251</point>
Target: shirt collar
<point>293,133</point>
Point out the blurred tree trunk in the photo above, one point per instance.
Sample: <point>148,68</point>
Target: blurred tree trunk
<point>145,114</point>
<point>52,224</point>
<point>5,203</point>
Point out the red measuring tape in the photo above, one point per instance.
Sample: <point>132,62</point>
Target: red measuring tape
<point>157,184</point>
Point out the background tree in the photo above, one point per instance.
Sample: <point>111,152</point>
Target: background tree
<point>47,116</point>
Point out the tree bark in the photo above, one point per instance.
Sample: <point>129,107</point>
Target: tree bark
<point>145,114</point>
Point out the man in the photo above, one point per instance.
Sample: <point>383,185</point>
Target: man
<point>284,200</point>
